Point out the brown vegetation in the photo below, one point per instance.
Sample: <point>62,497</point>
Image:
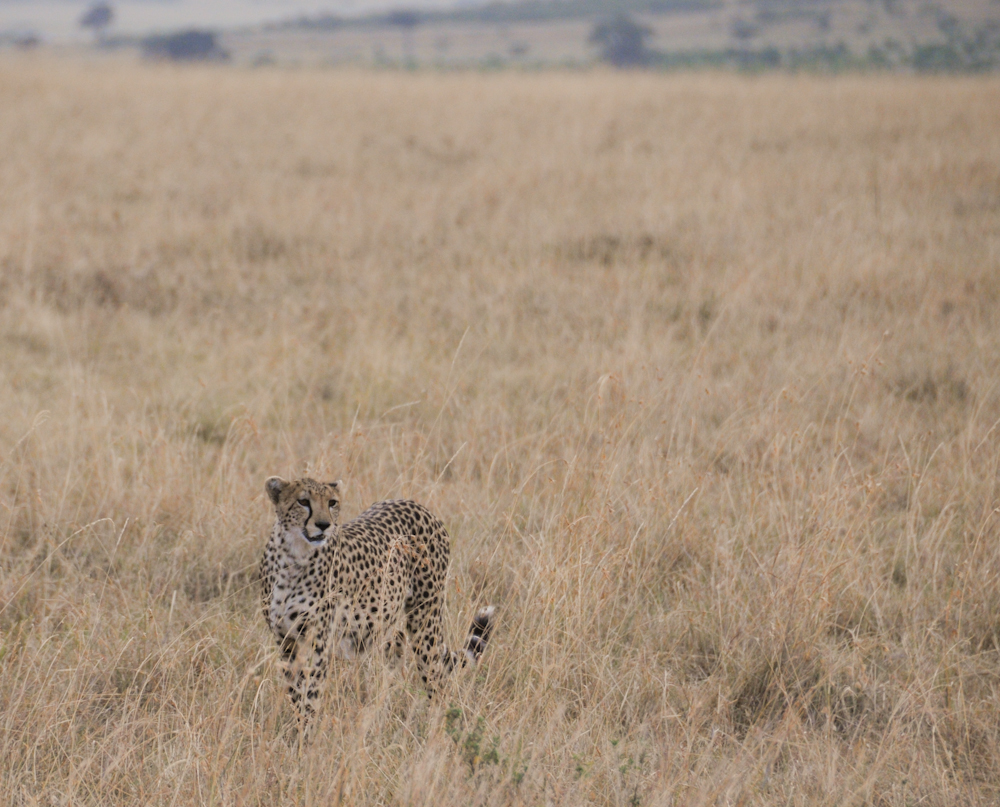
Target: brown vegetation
<point>702,373</point>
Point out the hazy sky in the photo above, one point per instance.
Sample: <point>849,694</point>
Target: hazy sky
<point>57,20</point>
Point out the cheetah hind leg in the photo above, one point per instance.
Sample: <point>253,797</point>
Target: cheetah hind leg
<point>435,660</point>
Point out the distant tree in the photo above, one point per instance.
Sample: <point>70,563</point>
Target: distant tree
<point>622,41</point>
<point>403,18</point>
<point>406,20</point>
<point>98,17</point>
<point>949,25</point>
<point>742,29</point>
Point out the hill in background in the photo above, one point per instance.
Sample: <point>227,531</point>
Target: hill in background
<point>829,34</point>
<point>926,35</point>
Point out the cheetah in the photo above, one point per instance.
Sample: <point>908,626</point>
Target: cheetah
<point>340,590</point>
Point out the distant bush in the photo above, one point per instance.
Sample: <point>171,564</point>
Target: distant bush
<point>184,46</point>
<point>498,11</point>
<point>25,40</point>
<point>937,57</point>
<point>977,50</point>
<point>822,59</point>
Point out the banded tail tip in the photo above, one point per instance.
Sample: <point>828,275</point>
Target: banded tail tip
<point>482,624</point>
<point>479,633</point>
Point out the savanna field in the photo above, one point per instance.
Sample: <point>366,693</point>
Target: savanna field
<point>701,371</point>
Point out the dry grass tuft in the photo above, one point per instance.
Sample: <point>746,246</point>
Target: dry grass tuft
<point>700,371</point>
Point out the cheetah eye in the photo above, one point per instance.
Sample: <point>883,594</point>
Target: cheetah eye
<point>304,502</point>
<point>333,503</point>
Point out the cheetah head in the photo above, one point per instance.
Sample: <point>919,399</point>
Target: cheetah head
<point>306,511</point>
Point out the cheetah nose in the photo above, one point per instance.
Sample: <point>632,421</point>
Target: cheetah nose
<point>322,525</point>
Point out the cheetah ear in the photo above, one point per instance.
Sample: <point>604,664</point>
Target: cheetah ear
<point>274,485</point>
<point>337,486</point>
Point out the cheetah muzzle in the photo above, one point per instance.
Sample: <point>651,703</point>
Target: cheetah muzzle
<point>329,589</point>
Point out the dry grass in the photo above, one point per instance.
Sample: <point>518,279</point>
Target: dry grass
<point>701,372</point>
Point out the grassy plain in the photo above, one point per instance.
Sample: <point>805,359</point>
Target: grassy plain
<point>701,371</point>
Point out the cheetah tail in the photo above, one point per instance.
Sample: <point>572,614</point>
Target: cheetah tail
<point>479,633</point>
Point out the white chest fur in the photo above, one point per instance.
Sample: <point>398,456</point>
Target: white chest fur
<point>291,600</point>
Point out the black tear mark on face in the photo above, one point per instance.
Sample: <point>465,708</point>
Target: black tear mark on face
<point>306,504</point>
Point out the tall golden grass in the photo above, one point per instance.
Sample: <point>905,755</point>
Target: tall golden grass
<point>700,371</point>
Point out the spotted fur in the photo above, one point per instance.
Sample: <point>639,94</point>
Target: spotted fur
<point>342,590</point>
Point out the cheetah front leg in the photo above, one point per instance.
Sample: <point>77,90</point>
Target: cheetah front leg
<point>394,650</point>
<point>305,672</point>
